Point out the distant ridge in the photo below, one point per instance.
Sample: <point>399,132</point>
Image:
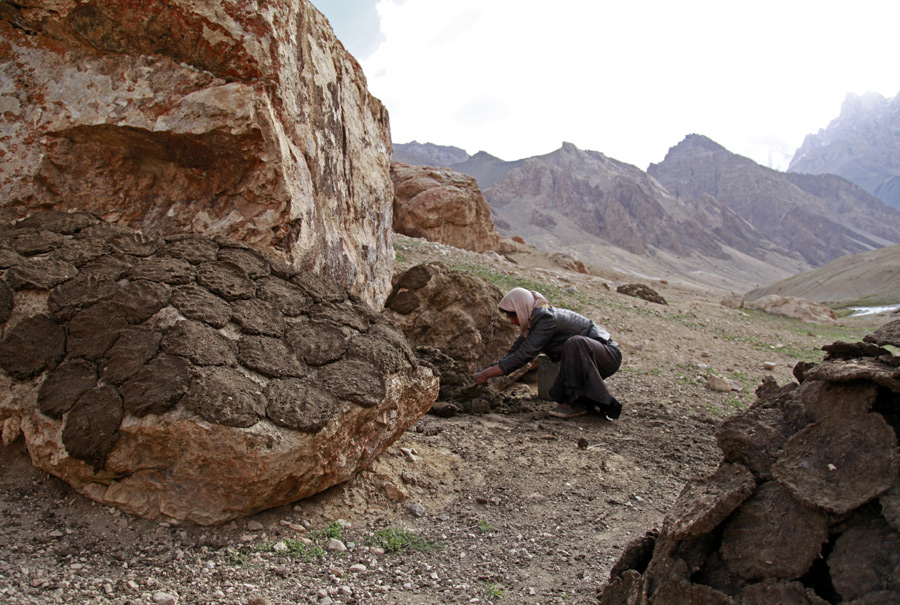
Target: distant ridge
<point>866,279</point>
<point>818,217</point>
<point>428,154</point>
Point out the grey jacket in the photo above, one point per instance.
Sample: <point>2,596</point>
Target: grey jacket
<point>551,327</point>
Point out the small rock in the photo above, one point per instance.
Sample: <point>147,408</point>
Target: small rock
<point>416,509</point>
<point>164,598</point>
<point>280,547</point>
<point>358,567</point>
<point>335,545</point>
<point>254,526</point>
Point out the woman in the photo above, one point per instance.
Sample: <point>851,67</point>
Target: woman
<point>584,350</point>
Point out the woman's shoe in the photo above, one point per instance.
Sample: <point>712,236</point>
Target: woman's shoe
<point>565,411</point>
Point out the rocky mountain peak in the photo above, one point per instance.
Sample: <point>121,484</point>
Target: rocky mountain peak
<point>695,143</point>
<point>860,145</point>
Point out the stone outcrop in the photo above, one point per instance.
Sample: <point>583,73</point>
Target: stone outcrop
<point>229,118</point>
<point>803,507</point>
<point>442,205</point>
<point>642,291</point>
<point>453,312</point>
<point>790,306</point>
<point>190,379</point>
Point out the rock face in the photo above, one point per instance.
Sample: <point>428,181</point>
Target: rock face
<point>442,205</point>
<point>860,145</point>
<point>803,508</point>
<point>453,312</point>
<point>190,379</point>
<point>222,118</point>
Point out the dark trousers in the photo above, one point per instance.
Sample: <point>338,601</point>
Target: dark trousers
<point>584,364</point>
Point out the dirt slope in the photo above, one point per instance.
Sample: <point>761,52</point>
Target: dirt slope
<point>515,506</point>
<point>865,279</point>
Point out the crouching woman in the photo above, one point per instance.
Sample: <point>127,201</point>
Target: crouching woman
<point>584,350</point>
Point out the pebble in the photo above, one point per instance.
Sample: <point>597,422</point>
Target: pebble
<point>335,545</point>
<point>358,567</point>
<point>416,509</point>
<point>164,598</point>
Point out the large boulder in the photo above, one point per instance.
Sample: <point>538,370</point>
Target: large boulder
<point>186,379</point>
<point>218,117</point>
<point>804,506</point>
<point>442,205</point>
<point>452,311</point>
<point>790,306</point>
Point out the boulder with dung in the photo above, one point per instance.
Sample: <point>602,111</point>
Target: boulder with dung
<point>188,379</point>
<point>642,291</point>
<point>228,118</point>
<point>452,311</point>
<point>804,506</point>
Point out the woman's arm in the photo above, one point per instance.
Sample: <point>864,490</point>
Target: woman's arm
<point>489,372</point>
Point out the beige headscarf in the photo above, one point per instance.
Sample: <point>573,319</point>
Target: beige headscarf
<point>523,303</point>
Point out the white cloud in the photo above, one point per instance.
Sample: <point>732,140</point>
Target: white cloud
<point>630,79</point>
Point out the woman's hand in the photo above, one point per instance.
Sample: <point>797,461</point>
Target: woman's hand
<point>490,372</point>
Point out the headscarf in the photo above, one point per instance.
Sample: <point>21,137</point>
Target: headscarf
<point>523,303</point>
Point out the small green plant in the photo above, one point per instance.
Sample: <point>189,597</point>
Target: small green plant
<point>484,526</point>
<point>334,530</point>
<point>398,540</point>
<point>237,559</point>
<point>494,591</point>
<point>300,549</point>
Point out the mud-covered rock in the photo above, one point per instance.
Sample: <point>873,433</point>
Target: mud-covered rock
<point>459,393</point>
<point>243,384</point>
<point>840,462</point>
<point>754,544</point>
<point>32,346</point>
<point>642,291</point>
<point>451,311</point>
<point>866,559</point>
<point>705,504</point>
<point>888,334</point>
<point>813,518</point>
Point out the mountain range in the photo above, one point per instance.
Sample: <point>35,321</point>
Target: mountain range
<point>862,145</point>
<point>702,215</point>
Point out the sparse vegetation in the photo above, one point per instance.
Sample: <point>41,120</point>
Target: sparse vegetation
<point>398,540</point>
<point>484,526</point>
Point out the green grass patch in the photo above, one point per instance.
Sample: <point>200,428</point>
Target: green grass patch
<point>484,527</point>
<point>398,540</point>
<point>334,530</point>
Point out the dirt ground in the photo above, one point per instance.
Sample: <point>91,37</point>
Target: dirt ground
<point>513,506</point>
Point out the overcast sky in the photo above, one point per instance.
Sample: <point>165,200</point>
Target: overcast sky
<point>628,78</point>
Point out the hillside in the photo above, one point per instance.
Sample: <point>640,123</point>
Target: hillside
<point>866,279</point>
<point>516,506</point>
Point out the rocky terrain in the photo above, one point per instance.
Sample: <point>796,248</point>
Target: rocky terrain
<point>505,506</point>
